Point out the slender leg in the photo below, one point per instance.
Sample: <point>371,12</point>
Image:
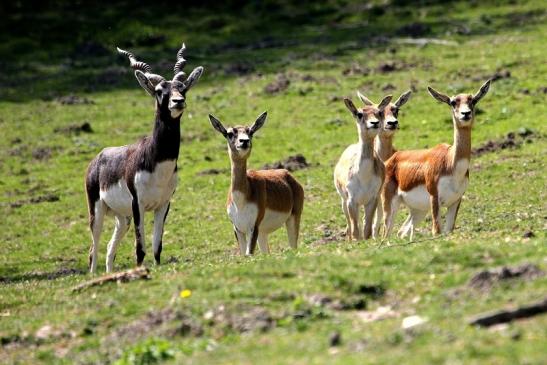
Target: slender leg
<point>370,209</point>
<point>405,228</point>
<point>96,226</point>
<point>353,210</point>
<point>435,214</point>
<point>451,215</point>
<point>241,240</point>
<point>263,243</point>
<point>138,219</point>
<point>390,210</point>
<point>417,217</point>
<point>160,215</point>
<point>348,220</point>
<point>377,221</point>
<point>119,232</point>
<point>252,237</point>
<point>293,228</point>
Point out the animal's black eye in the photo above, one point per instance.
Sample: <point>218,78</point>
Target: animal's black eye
<point>453,102</point>
<point>230,134</point>
<point>158,92</point>
<point>395,112</point>
<point>359,115</point>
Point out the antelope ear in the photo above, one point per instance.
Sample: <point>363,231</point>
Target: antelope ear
<point>351,107</point>
<point>482,91</point>
<point>364,99</point>
<point>259,122</point>
<point>403,99</point>
<point>385,101</point>
<point>217,125</point>
<point>439,96</point>
<point>145,82</point>
<point>193,78</point>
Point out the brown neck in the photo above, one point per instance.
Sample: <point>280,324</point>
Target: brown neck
<point>383,146</point>
<point>462,144</point>
<point>239,175</point>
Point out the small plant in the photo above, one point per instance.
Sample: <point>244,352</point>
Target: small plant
<point>151,351</point>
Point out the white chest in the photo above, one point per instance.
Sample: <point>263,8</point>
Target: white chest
<point>242,213</point>
<point>364,184</point>
<point>156,188</point>
<point>452,187</point>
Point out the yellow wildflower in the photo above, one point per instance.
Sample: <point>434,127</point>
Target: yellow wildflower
<point>185,293</point>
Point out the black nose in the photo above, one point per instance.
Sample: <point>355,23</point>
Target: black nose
<point>393,123</point>
<point>244,143</point>
<point>375,124</point>
<point>178,100</point>
<point>466,114</point>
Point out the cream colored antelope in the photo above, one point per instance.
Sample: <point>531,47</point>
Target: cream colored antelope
<point>437,177</point>
<point>259,202</point>
<point>359,173</point>
<point>383,143</point>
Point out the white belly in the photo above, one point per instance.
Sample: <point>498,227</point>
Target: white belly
<point>156,188</point>
<point>416,198</point>
<point>118,198</point>
<point>273,220</point>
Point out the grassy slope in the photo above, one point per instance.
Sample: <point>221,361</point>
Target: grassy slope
<point>505,198</point>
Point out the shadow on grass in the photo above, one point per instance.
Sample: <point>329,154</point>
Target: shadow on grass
<point>56,48</point>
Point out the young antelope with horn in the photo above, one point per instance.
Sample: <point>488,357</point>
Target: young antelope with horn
<point>259,202</point>
<point>383,143</point>
<point>359,174</point>
<point>127,181</point>
<point>437,177</point>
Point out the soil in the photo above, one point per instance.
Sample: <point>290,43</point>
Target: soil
<point>291,163</point>
<point>250,319</point>
<point>42,153</point>
<point>75,128</point>
<point>281,83</point>
<point>484,280</point>
<point>510,141</point>
<point>49,197</point>
<point>212,171</point>
<point>73,100</point>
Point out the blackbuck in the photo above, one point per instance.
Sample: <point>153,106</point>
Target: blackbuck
<point>259,202</point>
<point>129,180</point>
<point>433,178</point>
<point>359,174</point>
<point>383,143</point>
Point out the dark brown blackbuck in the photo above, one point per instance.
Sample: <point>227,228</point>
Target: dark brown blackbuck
<point>128,181</point>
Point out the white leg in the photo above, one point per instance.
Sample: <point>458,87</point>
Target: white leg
<point>252,237</point>
<point>122,225</point>
<point>241,240</point>
<point>377,221</point>
<point>451,215</point>
<point>353,210</point>
<point>390,217</point>
<point>370,209</point>
<point>263,243</point>
<point>96,229</point>
<point>160,215</point>
<point>293,227</point>
<point>405,228</point>
<point>417,217</point>
<point>348,221</point>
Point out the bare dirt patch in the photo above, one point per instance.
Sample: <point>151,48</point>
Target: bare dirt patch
<point>74,100</point>
<point>212,171</point>
<point>42,275</point>
<point>486,279</point>
<point>49,197</point>
<point>510,141</point>
<point>42,153</point>
<point>291,163</point>
<point>242,319</point>
<point>75,128</point>
<point>280,84</point>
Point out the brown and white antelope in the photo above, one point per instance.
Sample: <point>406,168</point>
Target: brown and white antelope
<point>437,177</point>
<point>127,181</point>
<point>383,143</point>
<point>259,202</point>
<point>359,174</point>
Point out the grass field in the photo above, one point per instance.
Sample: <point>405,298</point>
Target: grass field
<point>264,309</point>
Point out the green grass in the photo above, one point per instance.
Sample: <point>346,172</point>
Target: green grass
<point>506,197</point>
